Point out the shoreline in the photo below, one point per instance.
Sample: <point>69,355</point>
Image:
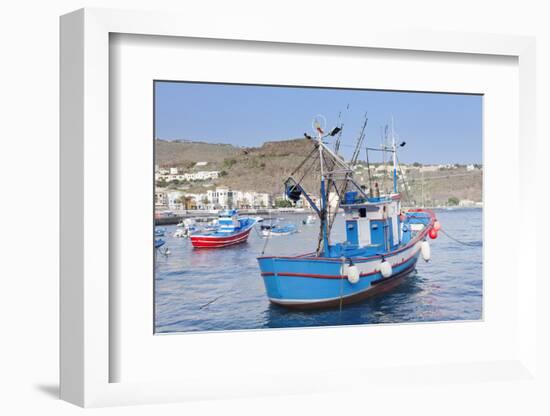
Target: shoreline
<point>178,216</point>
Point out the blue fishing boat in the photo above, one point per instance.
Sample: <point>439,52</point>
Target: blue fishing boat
<point>382,243</point>
<point>231,230</point>
<point>274,230</point>
<point>159,232</point>
<point>159,242</point>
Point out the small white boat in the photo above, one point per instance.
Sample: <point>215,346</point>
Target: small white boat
<point>187,222</point>
<point>180,233</point>
<point>185,232</point>
<point>310,219</point>
<point>270,230</point>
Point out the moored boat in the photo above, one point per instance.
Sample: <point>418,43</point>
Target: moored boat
<point>381,247</point>
<point>309,220</point>
<point>231,230</point>
<point>185,232</point>
<point>270,230</point>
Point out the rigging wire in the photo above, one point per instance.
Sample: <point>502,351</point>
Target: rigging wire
<point>306,171</point>
<point>405,184</point>
<point>304,161</point>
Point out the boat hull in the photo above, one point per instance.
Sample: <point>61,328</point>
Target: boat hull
<point>358,295</point>
<point>213,241</point>
<point>325,284</point>
<point>268,233</point>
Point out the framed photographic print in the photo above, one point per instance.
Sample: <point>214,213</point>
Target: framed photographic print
<point>298,232</point>
<point>237,211</point>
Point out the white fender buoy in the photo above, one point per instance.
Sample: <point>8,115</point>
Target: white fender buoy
<point>425,250</point>
<point>353,274</point>
<point>385,268</point>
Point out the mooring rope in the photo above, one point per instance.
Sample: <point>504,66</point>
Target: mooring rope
<point>210,302</point>
<point>268,235</point>
<point>464,243</point>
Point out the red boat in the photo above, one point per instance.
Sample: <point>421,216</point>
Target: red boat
<point>231,230</point>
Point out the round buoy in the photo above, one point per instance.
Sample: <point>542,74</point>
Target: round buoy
<point>353,274</point>
<point>425,250</point>
<point>432,233</point>
<point>386,269</point>
<point>437,226</point>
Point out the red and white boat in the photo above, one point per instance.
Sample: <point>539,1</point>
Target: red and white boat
<point>231,230</point>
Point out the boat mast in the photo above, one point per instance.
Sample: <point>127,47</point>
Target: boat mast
<point>324,197</point>
<point>394,149</point>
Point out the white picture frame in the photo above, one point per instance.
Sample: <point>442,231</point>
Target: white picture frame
<point>87,355</point>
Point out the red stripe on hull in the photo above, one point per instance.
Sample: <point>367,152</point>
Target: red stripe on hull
<point>328,276</point>
<point>199,241</point>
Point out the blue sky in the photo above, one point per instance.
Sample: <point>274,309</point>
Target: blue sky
<point>438,128</point>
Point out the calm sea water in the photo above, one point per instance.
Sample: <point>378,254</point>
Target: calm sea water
<point>203,290</point>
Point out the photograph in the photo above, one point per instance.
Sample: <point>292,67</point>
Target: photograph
<point>298,206</point>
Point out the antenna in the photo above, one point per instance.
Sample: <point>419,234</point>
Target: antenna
<point>319,125</point>
<point>339,138</point>
<point>394,148</point>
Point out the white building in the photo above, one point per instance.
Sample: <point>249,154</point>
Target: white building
<point>161,199</point>
<point>193,176</point>
<point>250,199</point>
<point>202,175</point>
<point>466,203</point>
<point>429,168</point>
<point>173,171</point>
<point>173,200</point>
<point>225,198</point>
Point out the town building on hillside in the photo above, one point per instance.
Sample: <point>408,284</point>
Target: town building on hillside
<point>220,198</point>
<point>161,200</point>
<point>447,166</point>
<point>429,168</point>
<point>225,198</point>
<point>192,176</point>
<point>198,164</point>
<point>203,175</point>
<point>466,203</point>
<point>174,200</point>
<point>174,171</point>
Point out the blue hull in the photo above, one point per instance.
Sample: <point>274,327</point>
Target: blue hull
<point>319,283</point>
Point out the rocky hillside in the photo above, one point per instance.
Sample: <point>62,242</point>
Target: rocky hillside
<point>263,169</point>
<point>260,169</point>
<point>185,153</point>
